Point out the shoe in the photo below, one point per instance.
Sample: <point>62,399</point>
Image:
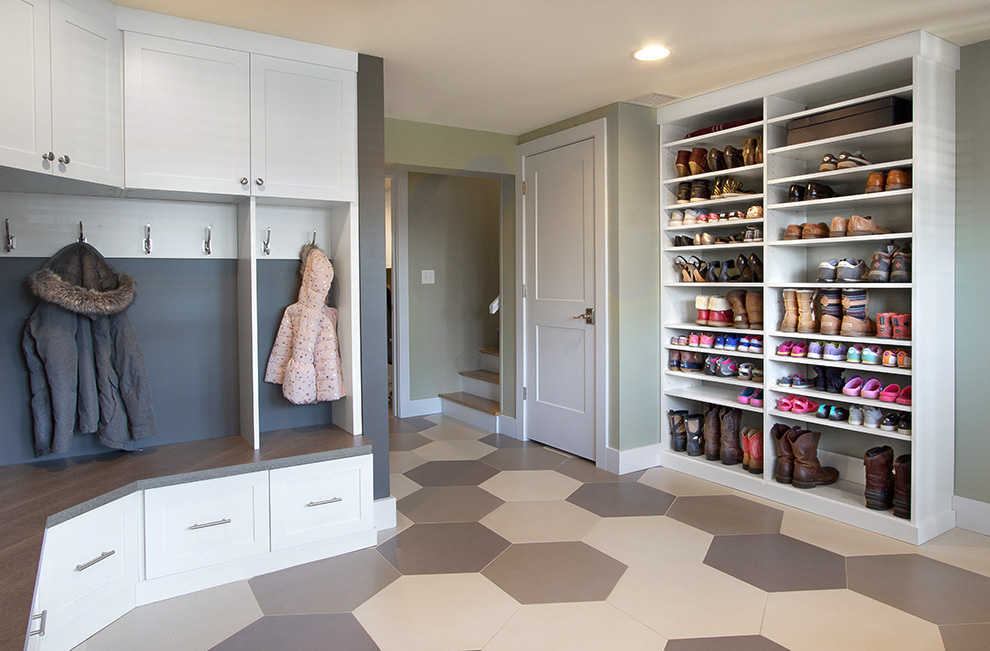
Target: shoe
<point>784,468</point>
<point>681,164</point>
<point>795,193</point>
<point>698,161</point>
<point>733,157</point>
<point>711,365</point>
<point>903,358</point>
<point>706,340</point>
<point>751,151</point>
<point>889,422</point>
<point>855,415</point>
<point>818,191</point>
<point>746,395</point>
<point>904,424</point>
<point>851,160</point>
<point>904,396</point>
<point>826,271</point>
<point>731,342</point>
<point>694,339</point>
<point>839,227</point>
<point>872,417</point>
<point>694,425</point>
<point>853,386</point>
<point>720,342</point>
<point>800,349</point>
<point>800,382</point>
<point>716,160</point>
<point>879,492</point>
<point>823,411</point>
<point>854,355</point>
<point>786,403</point>
<point>756,344</point>
<point>784,349</point>
<point>757,399</point>
<point>690,216</point>
<point>876,182</point>
<point>730,450</point>
<point>727,367</point>
<point>902,326</point>
<point>865,226</point>
<point>838,413</point>
<point>700,190</point>
<point>808,471</point>
<point>814,231</point>
<point>785,381</point>
<point>793,232</point>
<point>674,361</point>
<point>850,270</point>
<point>802,405</point>
<point>683,192</point>
<point>900,266</point>
<point>691,363</point>
<point>902,486</point>
<point>678,431</point>
<point>834,352</point>
<point>885,325</point>
<point>880,264</point>
<point>872,355</point>
<point>676,218</point>
<point>829,163</point>
<point>890,358</point>
<point>890,393</point>
<point>871,389</point>
<point>816,350</point>
<point>754,212</point>
<point>743,346</point>
<point>898,180</point>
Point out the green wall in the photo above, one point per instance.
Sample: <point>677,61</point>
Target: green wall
<point>972,235</point>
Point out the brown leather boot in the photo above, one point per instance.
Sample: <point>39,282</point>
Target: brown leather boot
<point>790,320</point>
<point>754,310</point>
<point>730,449</point>
<point>756,451</point>
<point>694,423</point>
<point>808,472</point>
<point>678,431</point>
<point>712,428</point>
<point>806,311</point>
<point>784,470</point>
<point>902,486</point>
<point>879,462</point>
<point>737,299</point>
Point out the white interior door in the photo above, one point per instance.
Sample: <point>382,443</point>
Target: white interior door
<point>560,279</point>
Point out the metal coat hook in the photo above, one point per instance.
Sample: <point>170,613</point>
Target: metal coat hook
<point>266,246</point>
<point>9,244</point>
<point>313,243</point>
<point>82,235</point>
<point>208,242</point>
<point>147,239</point>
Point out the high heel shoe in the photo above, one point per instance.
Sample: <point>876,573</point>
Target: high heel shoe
<point>698,268</point>
<point>745,271</point>
<point>684,268</point>
<point>757,266</point>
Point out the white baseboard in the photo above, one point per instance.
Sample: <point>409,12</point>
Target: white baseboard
<point>621,462</point>
<point>972,515</point>
<point>507,425</point>
<point>424,407</point>
<point>385,513</point>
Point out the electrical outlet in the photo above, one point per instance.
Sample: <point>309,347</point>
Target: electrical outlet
<point>428,276</point>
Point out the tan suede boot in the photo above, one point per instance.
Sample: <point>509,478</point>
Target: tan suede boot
<point>806,311</point>
<point>790,321</point>
<point>737,299</point>
<point>754,309</point>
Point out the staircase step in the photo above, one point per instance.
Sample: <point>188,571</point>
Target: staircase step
<point>489,351</point>
<point>482,374</point>
<point>474,402</point>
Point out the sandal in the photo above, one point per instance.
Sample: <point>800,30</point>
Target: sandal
<point>786,403</point>
<point>685,269</point>
<point>803,405</point>
<point>746,395</point>
<point>746,371</point>
<point>757,375</point>
<point>890,393</point>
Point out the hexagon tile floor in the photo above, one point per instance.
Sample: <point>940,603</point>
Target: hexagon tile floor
<point>505,545</point>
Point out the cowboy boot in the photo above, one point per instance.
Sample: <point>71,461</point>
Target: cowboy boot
<point>744,436</point>
<point>678,432</point>
<point>712,430</point>
<point>737,299</point>
<point>693,423</point>
<point>879,462</point>
<point>902,486</point>
<point>730,449</point>
<point>806,311</point>
<point>784,470</point>
<point>830,305</point>
<point>756,451</point>
<point>790,320</point>
<point>808,471</point>
<point>855,307</point>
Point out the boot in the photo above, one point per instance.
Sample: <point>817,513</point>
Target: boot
<point>902,486</point>
<point>678,433</point>
<point>790,320</point>
<point>879,462</point>
<point>712,429</point>
<point>808,472</point>
<point>821,378</point>
<point>784,470</point>
<point>719,312</point>
<point>744,436</point>
<point>806,311</point>
<point>830,305</point>
<point>855,306</point>
<point>695,438</point>
<point>737,299</point>
<point>756,451</point>
<point>885,324</point>
<point>701,304</point>
<point>730,449</point>
<point>833,380</point>
<point>902,326</point>
<point>754,310</point>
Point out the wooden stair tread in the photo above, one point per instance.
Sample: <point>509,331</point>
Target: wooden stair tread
<point>482,374</point>
<point>489,351</point>
<point>474,402</point>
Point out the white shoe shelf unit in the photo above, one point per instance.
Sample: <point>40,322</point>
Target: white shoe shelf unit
<point>917,67</point>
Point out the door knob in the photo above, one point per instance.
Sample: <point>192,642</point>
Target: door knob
<point>588,316</point>
<point>64,160</point>
<point>259,181</point>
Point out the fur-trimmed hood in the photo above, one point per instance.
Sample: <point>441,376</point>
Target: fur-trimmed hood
<point>79,279</point>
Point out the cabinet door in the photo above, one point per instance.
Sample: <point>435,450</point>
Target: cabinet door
<point>303,130</point>
<point>86,105</point>
<point>187,109</point>
<point>25,110</point>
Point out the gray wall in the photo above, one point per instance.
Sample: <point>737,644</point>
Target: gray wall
<point>972,236</point>
<point>454,230</point>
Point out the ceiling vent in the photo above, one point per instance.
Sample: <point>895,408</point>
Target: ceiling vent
<point>653,100</point>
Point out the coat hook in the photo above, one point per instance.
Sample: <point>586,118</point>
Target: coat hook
<point>208,242</point>
<point>313,243</point>
<point>82,235</point>
<point>147,239</point>
<point>266,245</point>
<point>9,244</point>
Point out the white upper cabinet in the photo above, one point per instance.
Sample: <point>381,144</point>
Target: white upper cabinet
<point>303,129</point>
<point>188,116</point>
<point>223,121</point>
<point>61,112</point>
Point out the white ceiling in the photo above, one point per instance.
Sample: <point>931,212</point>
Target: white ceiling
<point>511,66</point>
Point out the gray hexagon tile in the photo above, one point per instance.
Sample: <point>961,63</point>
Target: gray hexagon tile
<point>451,473</point>
<point>448,504</point>
<point>554,572</point>
<point>585,471</point>
<point>445,548</point>
<point>406,441</point>
<point>525,458</point>
<point>966,637</point>
<point>729,643</point>
<point>339,632</point>
<point>356,577</point>
<point>777,563</point>
<point>726,514</point>
<point>929,589</point>
<point>506,441</point>
<point>407,425</point>
<point>620,499</point>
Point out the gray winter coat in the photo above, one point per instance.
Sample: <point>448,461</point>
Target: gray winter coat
<point>87,371</point>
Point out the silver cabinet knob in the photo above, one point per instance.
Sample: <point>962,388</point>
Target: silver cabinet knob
<point>50,156</point>
<point>64,160</point>
<point>259,181</point>
<point>244,180</point>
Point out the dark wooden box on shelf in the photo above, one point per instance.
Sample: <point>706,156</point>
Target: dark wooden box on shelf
<point>850,119</point>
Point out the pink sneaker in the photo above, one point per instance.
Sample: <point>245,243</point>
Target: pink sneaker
<point>706,340</point>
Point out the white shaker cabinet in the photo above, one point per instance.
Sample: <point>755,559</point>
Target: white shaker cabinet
<point>61,113</point>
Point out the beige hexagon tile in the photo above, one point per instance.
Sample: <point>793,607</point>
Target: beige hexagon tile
<point>589,626</point>
<point>447,429</point>
<point>530,485</point>
<point>403,461</point>
<point>430,612</point>
<point>962,548</point>
<point>678,483</point>
<point>690,600</point>
<point>525,522</point>
<point>400,486</point>
<point>401,524</point>
<point>838,537</point>
<point>457,450</point>
<point>823,620</point>
<point>649,541</point>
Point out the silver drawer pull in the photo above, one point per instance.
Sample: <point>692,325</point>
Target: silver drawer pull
<point>332,500</point>
<point>41,625</point>
<point>211,524</point>
<point>102,557</point>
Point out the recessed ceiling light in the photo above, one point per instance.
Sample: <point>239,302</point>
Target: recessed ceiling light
<point>651,53</point>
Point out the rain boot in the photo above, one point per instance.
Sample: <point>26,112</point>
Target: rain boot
<point>879,462</point>
<point>730,450</point>
<point>712,429</point>
<point>678,433</point>
<point>784,470</point>
<point>808,471</point>
<point>790,320</point>
<point>902,486</point>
